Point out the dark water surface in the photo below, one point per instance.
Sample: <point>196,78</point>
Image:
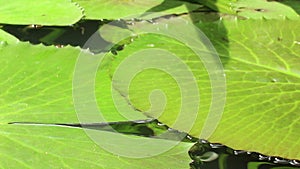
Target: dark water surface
<point>207,155</point>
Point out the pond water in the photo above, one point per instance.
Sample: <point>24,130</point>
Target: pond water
<point>207,155</point>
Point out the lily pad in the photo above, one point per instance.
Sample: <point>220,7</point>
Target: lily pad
<point>65,147</point>
<point>36,86</point>
<point>261,65</point>
<point>47,12</point>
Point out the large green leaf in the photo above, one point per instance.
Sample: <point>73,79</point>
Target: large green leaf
<point>64,147</point>
<point>262,72</point>
<point>115,9</point>
<point>36,86</point>
<point>46,12</point>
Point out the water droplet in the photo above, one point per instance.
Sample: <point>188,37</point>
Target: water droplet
<point>297,42</point>
<point>238,152</point>
<point>151,45</point>
<point>3,43</point>
<point>274,80</point>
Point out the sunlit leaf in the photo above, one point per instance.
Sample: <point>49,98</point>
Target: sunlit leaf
<point>36,86</point>
<point>46,12</point>
<point>261,63</point>
<point>65,147</point>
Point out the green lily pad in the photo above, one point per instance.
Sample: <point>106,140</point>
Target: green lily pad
<point>65,147</point>
<point>47,12</point>
<point>36,86</point>
<point>261,63</point>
